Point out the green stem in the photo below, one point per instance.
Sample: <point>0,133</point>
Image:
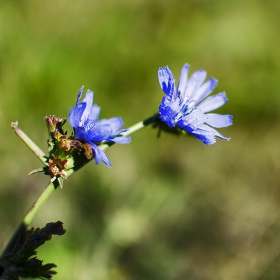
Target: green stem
<point>39,202</point>
<point>141,124</point>
<point>53,186</point>
<point>30,216</point>
<point>31,145</point>
<point>132,129</point>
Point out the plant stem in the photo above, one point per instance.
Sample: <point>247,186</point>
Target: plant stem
<point>140,125</point>
<point>30,216</point>
<point>131,130</point>
<point>53,186</point>
<point>30,144</point>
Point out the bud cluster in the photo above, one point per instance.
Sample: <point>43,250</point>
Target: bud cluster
<point>64,152</point>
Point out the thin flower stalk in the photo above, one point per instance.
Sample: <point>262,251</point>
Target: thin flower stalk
<point>29,143</point>
<point>54,185</point>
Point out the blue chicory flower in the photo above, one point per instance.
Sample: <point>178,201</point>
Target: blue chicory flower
<point>186,106</point>
<point>84,119</point>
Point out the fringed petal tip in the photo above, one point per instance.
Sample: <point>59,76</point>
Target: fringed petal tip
<point>218,121</point>
<point>166,80</point>
<point>213,102</point>
<point>79,94</point>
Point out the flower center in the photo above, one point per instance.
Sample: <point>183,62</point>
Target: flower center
<point>89,125</point>
<point>185,109</point>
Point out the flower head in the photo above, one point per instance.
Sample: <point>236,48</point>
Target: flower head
<point>84,119</point>
<point>187,106</point>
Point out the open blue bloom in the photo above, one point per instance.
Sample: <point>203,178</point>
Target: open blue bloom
<point>84,119</point>
<point>186,106</point>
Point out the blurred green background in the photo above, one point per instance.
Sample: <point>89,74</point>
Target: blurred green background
<point>169,208</point>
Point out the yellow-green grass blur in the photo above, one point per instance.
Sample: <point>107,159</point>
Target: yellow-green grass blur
<point>170,207</point>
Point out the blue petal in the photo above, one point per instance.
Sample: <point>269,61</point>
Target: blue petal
<point>219,121</point>
<point>212,130</point>
<point>195,81</point>
<point>88,125</point>
<point>166,81</point>
<point>213,102</point>
<point>183,82</point>
<point>81,133</point>
<point>94,113</point>
<point>205,89</point>
<point>168,110</point>
<point>99,133</point>
<point>75,114</point>
<point>79,95</point>
<point>192,120</point>
<point>115,123</point>
<point>100,155</point>
<point>205,136</point>
<point>120,139</point>
<point>88,101</point>
<point>84,119</point>
<point>167,115</point>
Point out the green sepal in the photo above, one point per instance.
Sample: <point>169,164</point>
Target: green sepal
<point>41,169</point>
